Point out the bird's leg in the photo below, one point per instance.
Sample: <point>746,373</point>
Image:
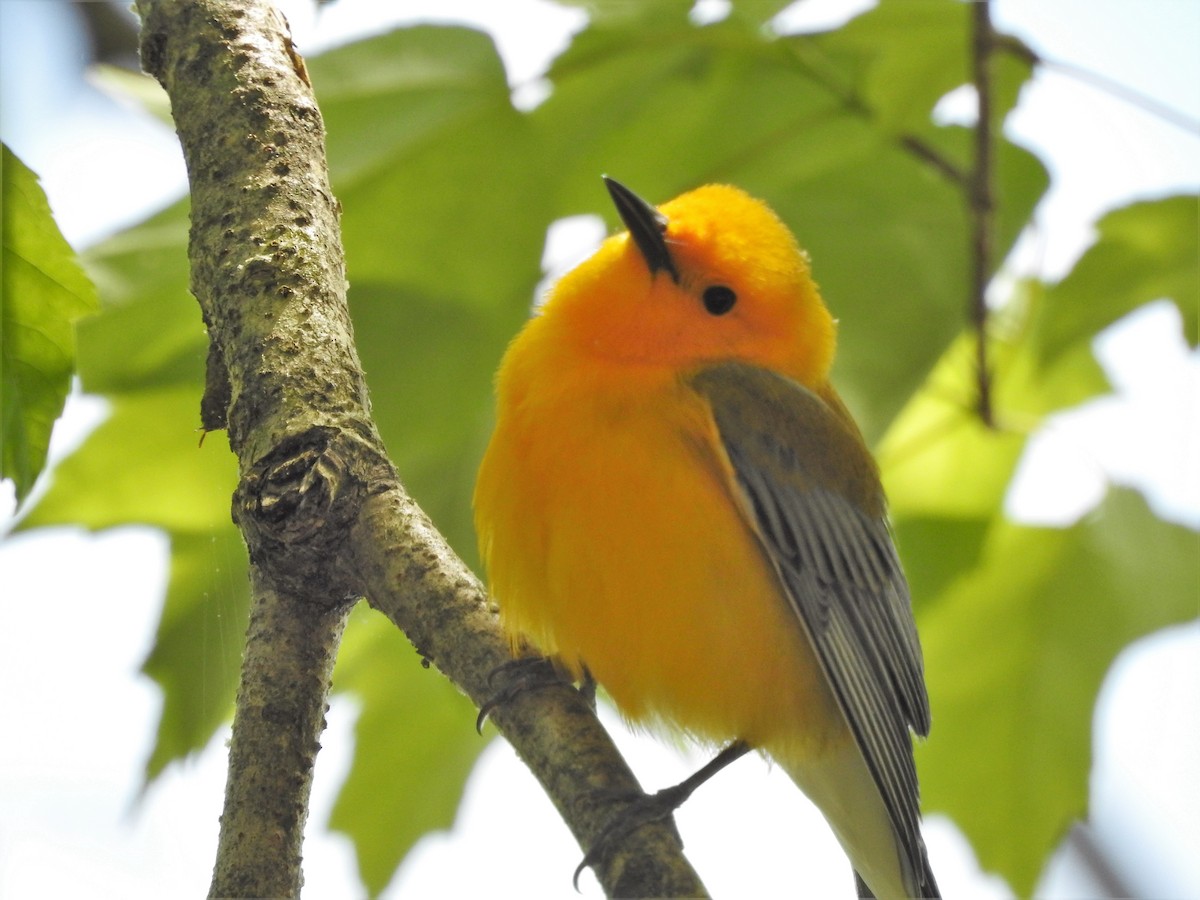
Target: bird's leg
<point>587,687</point>
<point>653,807</point>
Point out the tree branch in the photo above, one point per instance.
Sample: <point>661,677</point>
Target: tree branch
<point>291,645</point>
<point>413,577</point>
<point>319,503</point>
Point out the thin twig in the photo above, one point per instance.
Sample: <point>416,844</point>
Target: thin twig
<point>1098,863</point>
<point>1017,48</point>
<point>981,198</point>
<point>941,164</point>
<point>1160,110</point>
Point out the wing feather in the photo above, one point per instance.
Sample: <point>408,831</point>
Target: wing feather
<point>811,491</point>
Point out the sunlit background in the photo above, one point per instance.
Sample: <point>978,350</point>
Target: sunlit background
<point>79,610</point>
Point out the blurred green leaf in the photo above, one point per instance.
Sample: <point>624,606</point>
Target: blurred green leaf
<point>435,426</point>
<point>939,460</point>
<point>415,745</point>
<point>143,89</point>
<point>145,465</point>
<point>43,292</point>
<point>1019,624</point>
<point>150,334</point>
<point>408,115</point>
<point>442,242</point>
<point>1145,251</point>
<point>916,52</point>
<point>197,650</point>
<point>1015,653</point>
<point>623,10</point>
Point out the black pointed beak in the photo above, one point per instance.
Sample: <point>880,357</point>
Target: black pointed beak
<point>647,226</point>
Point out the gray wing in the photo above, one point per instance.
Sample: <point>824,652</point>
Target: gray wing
<point>812,492</point>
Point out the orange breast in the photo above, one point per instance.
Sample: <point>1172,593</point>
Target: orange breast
<point>612,541</point>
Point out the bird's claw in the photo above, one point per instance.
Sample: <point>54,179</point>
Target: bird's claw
<point>526,673</point>
<point>642,809</point>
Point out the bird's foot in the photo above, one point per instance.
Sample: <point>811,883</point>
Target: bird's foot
<point>646,808</point>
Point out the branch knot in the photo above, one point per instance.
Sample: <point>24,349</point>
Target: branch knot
<point>295,503</point>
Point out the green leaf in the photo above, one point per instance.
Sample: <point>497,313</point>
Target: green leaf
<point>407,114</point>
<point>937,549</point>
<point>150,333</point>
<point>197,650</point>
<point>442,242</point>
<point>917,52</point>
<point>939,459</point>
<point>1015,654</point>
<point>44,291</point>
<point>946,476</point>
<point>1145,251</point>
<point>415,745</point>
<point>626,12</point>
<point>435,426</point>
<point>1018,624</point>
<point>126,84</point>
<point>145,465</point>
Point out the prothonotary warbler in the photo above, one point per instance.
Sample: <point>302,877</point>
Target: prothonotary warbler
<point>676,501</point>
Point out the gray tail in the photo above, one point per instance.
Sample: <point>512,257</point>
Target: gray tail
<point>929,888</point>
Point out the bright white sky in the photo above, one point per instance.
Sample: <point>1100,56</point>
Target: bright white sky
<point>71,823</point>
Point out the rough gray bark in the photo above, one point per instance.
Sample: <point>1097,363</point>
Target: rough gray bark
<point>322,510</point>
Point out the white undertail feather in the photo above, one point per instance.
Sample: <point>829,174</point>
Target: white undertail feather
<point>841,786</point>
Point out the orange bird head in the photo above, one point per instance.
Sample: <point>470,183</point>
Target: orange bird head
<point>711,276</point>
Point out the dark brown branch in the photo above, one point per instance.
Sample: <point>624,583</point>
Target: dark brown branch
<point>982,199</point>
<point>320,505</point>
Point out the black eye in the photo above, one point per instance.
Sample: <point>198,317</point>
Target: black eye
<point>719,299</point>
